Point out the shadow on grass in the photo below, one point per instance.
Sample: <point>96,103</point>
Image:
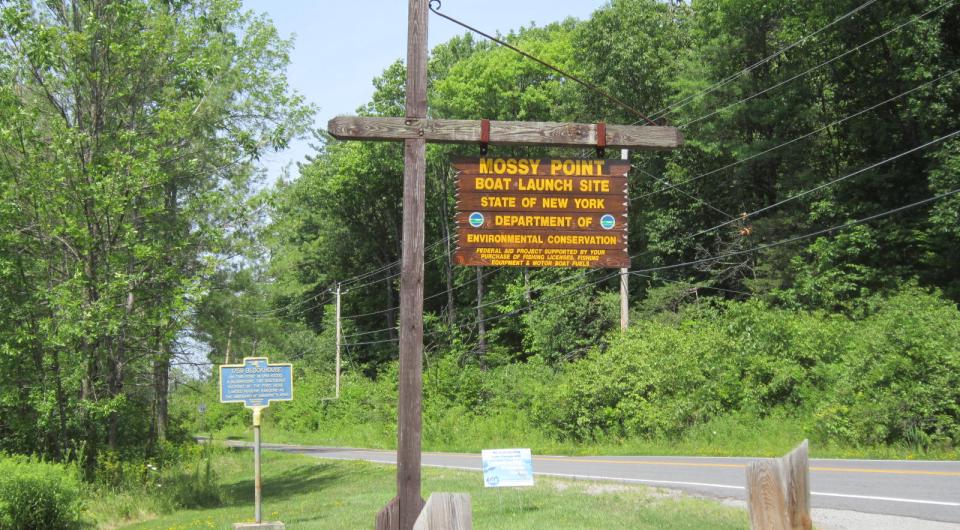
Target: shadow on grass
<point>301,480</point>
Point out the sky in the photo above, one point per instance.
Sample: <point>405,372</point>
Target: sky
<point>340,46</point>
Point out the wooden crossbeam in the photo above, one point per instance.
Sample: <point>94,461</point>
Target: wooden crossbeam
<point>552,134</point>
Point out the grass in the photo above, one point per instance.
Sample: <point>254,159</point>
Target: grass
<point>725,436</point>
<point>306,493</point>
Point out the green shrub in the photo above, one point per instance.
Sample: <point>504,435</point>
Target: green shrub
<point>900,380</point>
<point>191,482</point>
<point>665,377</point>
<point>38,495</point>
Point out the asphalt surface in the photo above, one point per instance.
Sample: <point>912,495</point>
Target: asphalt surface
<point>927,490</point>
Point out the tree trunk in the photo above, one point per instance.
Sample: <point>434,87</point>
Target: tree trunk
<point>526,285</point>
<point>226,357</point>
<point>161,383</point>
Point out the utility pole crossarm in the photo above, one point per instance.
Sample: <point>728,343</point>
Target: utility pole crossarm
<point>551,134</point>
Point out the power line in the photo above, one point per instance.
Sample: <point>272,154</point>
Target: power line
<point>485,274</point>
<point>816,233</point>
<point>821,65</point>
<point>798,138</point>
<point>691,263</point>
<point>757,248</point>
<point>682,103</point>
<point>567,75</point>
<point>696,198</point>
<point>388,266</point>
<point>725,223</point>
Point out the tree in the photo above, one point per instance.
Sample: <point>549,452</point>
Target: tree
<point>126,144</point>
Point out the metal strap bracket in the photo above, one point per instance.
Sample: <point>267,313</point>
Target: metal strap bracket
<point>484,136</point>
<point>601,139</point>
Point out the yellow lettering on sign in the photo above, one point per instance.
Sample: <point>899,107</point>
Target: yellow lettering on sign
<point>498,202</point>
<point>554,202</point>
<point>590,203</point>
<point>533,221</point>
<point>577,168</point>
<point>508,166</point>
<point>488,183</point>
<point>538,184</point>
<point>595,186</point>
<point>582,240</point>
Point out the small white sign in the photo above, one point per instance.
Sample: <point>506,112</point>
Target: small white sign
<point>504,468</point>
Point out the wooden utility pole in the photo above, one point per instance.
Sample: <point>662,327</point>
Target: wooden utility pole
<point>411,275</point>
<point>624,277</point>
<point>415,130</point>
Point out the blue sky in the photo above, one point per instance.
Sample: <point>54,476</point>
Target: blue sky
<point>342,45</point>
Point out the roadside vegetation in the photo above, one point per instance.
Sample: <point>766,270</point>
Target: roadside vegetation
<point>795,267</point>
<point>882,382</point>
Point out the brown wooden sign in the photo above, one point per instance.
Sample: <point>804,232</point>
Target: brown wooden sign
<point>542,212</point>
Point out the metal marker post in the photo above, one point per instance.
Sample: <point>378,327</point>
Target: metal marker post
<point>256,383</point>
<point>257,483</point>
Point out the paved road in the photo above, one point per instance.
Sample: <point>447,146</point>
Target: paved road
<point>921,489</point>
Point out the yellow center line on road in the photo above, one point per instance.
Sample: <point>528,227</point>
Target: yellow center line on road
<point>887,471</point>
<point>714,464</point>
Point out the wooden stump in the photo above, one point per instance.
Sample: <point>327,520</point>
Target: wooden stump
<point>388,518</point>
<point>446,511</point>
<point>778,492</point>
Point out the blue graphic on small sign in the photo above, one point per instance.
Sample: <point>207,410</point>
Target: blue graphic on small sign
<point>256,382</point>
<point>607,222</point>
<point>503,468</point>
<point>476,219</point>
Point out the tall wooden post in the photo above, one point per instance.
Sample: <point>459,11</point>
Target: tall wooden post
<point>624,277</point>
<point>411,275</point>
<point>415,130</point>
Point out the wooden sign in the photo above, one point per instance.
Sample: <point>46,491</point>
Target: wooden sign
<point>524,212</point>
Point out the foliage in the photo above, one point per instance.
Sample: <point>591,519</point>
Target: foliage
<point>36,495</point>
<point>175,478</point>
<point>131,239</point>
<point>881,375</point>
<point>128,137</point>
<point>900,376</point>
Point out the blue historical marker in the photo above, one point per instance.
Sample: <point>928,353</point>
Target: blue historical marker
<point>607,222</point>
<point>476,219</point>
<point>256,382</point>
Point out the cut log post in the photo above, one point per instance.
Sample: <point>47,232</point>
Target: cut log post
<point>765,496</point>
<point>388,518</point>
<point>797,478</point>
<point>446,511</point>
<point>778,492</point>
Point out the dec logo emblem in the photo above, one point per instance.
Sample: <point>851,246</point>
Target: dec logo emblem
<point>476,219</point>
<point>607,222</point>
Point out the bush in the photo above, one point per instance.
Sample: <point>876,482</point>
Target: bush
<point>191,483</point>
<point>38,495</point>
<point>901,376</point>
<point>665,377</point>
